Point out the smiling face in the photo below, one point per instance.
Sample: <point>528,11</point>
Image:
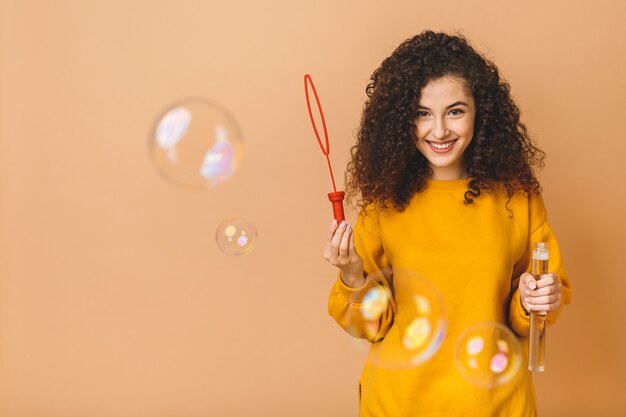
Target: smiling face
<point>445,126</point>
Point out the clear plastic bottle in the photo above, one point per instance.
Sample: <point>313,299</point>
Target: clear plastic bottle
<point>537,340</point>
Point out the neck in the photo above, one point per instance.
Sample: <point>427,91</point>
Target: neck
<point>448,173</point>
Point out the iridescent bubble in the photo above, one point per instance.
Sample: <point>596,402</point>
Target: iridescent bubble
<point>196,144</point>
<point>488,354</point>
<point>375,303</point>
<point>419,322</point>
<point>499,363</point>
<point>357,327</point>
<point>235,236</point>
<point>363,318</point>
<point>475,345</point>
<point>422,304</point>
<point>417,333</point>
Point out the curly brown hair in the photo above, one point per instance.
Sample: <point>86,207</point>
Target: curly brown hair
<point>386,166</point>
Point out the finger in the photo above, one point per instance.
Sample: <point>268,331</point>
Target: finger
<point>327,247</point>
<point>529,280</point>
<point>543,300</point>
<point>550,289</point>
<point>555,306</point>
<point>345,242</point>
<point>545,280</point>
<point>544,308</point>
<point>351,248</point>
<point>336,240</point>
<point>333,227</point>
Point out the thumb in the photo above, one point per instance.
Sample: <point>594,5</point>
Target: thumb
<point>530,281</point>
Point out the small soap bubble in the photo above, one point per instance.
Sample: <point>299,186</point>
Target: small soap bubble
<point>236,236</point>
<point>196,144</point>
<point>488,354</point>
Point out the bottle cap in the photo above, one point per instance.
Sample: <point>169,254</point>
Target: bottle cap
<point>540,251</point>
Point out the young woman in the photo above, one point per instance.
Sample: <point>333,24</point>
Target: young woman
<point>445,171</point>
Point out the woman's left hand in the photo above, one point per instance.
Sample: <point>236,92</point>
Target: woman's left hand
<point>540,295</point>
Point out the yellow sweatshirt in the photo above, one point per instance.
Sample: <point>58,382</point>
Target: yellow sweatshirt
<point>473,255</point>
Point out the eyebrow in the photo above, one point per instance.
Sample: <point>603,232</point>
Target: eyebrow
<point>447,107</point>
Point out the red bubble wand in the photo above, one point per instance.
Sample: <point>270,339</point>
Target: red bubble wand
<point>336,197</point>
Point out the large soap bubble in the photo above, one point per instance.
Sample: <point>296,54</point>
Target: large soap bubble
<point>195,143</point>
<point>419,325</point>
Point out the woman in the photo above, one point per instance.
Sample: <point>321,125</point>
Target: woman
<point>446,175</point>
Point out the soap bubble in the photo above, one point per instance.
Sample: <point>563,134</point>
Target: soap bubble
<point>375,303</point>
<point>235,236</point>
<point>419,324</point>
<point>362,319</point>
<point>488,354</point>
<point>196,144</point>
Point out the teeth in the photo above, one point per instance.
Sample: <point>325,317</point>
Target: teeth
<point>441,146</point>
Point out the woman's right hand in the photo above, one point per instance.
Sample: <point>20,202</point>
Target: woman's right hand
<point>340,252</point>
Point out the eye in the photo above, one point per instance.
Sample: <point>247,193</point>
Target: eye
<point>421,113</point>
<point>457,112</point>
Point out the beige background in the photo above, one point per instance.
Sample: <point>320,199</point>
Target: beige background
<point>114,299</point>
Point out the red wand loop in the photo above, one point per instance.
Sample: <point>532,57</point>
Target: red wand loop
<point>336,197</point>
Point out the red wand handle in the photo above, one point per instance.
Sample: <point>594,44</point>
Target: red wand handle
<point>337,199</point>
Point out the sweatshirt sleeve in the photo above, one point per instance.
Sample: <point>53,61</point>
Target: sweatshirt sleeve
<point>540,231</point>
<point>366,312</point>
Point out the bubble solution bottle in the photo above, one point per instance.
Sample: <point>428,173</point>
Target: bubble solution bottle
<point>537,341</point>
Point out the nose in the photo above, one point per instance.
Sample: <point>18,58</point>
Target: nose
<point>440,130</point>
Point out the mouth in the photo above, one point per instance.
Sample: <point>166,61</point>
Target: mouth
<point>441,147</point>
